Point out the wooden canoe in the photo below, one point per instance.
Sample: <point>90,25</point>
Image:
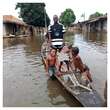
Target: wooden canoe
<point>87,96</point>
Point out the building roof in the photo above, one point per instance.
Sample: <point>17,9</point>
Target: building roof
<point>91,20</point>
<point>98,18</point>
<point>12,19</point>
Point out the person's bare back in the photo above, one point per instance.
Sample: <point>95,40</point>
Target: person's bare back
<point>78,64</point>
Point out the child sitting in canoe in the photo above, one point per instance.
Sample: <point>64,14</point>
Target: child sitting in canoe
<point>63,57</point>
<point>79,64</point>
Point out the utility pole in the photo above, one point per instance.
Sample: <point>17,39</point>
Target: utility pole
<point>45,19</point>
<point>83,15</point>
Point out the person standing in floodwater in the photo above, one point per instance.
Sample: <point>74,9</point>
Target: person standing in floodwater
<point>56,32</point>
<point>51,63</point>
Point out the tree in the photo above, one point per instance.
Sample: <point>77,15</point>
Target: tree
<point>67,17</point>
<point>33,13</point>
<point>95,15</point>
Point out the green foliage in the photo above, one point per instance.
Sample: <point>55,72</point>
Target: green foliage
<point>67,17</point>
<point>33,13</point>
<point>95,15</point>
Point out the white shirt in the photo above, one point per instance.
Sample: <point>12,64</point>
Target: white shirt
<point>63,56</point>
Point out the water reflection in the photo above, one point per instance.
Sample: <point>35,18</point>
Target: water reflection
<point>99,38</point>
<point>96,41</point>
<point>33,43</point>
<point>59,98</point>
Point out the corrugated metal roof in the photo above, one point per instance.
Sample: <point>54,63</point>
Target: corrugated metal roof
<point>12,19</point>
<point>98,18</point>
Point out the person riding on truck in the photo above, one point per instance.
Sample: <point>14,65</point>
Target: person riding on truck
<point>56,32</point>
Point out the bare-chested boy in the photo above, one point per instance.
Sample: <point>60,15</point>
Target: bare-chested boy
<point>51,63</point>
<point>79,64</point>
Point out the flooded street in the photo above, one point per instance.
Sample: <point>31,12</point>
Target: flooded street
<point>25,83</point>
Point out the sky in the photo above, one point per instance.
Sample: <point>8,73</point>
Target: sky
<point>57,6</point>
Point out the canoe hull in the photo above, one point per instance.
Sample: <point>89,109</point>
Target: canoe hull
<point>85,97</point>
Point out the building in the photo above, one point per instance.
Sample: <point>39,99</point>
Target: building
<point>98,24</point>
<point>12,27</point>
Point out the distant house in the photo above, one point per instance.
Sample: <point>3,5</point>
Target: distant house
<point>98,24</point>
<point>12,26</point>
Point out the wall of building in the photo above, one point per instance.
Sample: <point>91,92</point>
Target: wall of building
<point>96,25</point>
<point>21,30</point>
<point>14,29</point>
<point>8,29</point>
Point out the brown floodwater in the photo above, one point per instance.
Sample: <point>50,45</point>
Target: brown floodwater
<point>25,83</point>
